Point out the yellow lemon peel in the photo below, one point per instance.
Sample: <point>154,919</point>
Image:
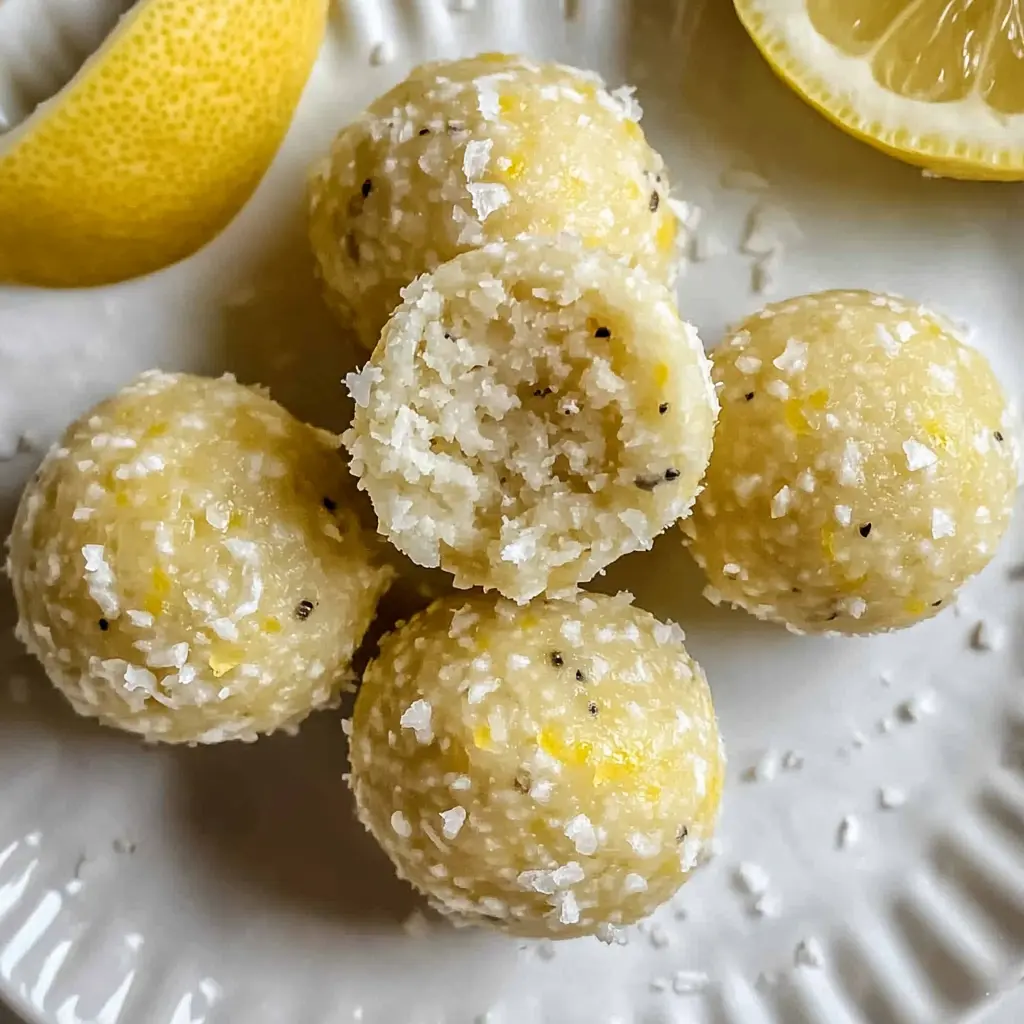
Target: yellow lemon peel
<point>157,142</point>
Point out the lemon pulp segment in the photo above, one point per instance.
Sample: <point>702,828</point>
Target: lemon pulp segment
<point>936,83</point>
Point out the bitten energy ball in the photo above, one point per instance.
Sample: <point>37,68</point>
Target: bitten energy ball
<point>184,566</point>
<point>864,465</point>
<point>474,151</point>
<point>533,411</point>
<point>552,770</point>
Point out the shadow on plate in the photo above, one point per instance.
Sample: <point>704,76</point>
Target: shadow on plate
<point>274,818</point>
<point>936,954</point>
<point>276,330</point>
<point>668,583</point>
<point>278,819</point>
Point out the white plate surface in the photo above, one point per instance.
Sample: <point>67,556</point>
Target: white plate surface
<point>232,885</point>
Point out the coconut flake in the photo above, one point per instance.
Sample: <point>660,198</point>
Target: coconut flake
<point>174,656</point>
<point>768,904</point>
<point>225,629</point>
<point>944,377</point>
<point>568,909</point>
<point>848,833</point>
<point>100,580</point>
<point>136,678</point>
<point>453,819</point>
<point>809,953</point>
<point>891,797</point>
<point>382,53</point>
<point>918,455</point>
<point>685,983</point>
<point>476,157</point>
<point>792,761</point>
<point>582,834</point>
<point>567,874</point>
<point>988,636</point>
<point>769,228</point>
<point>752,879</point>
<point>885,338</point>
<point>217,515</point>
<point>850,472</point>
<point>690,851</point>
<point>744,486</point>
<point>843,514</point>
<point>919,706</point>
<point>634,883</point>
<point>943,524</point>
<point>478,691</point>
<point>644,845</point>
<point>780,502</point>
<point>488,197</point>
<point>141,467</point>
<point>243,550</point>
<point>794,357</point>
<point>417,717</point>
<point>541,790</point>
<point>766,768</point>
<point>360,383</point>
<point>807,482</point>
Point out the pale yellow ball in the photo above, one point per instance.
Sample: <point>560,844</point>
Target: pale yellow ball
<point>186,565</point>
<point>534,411</point>
<point>467,152</point>
<point>552,770</point>
<point>864,465</point>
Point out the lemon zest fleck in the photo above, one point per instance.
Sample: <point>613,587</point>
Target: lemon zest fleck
<point>665,237</point>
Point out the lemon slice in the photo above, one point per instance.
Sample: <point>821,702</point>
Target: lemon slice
<point>157,142</point>
<point>937,83</point>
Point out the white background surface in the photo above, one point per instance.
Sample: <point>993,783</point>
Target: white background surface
<point>231,885</point>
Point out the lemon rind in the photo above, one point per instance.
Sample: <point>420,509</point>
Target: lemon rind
<point>39,248</point>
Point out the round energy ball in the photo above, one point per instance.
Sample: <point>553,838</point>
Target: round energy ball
<point>468,152</point>
<point>184,565</point>
<point>551,770</point>
<point>534,410</point>
<point>864,465</point>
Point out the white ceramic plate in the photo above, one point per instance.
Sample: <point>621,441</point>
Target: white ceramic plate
<point>232,885</point>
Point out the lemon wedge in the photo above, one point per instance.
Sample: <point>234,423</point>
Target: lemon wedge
<point>936,83</point>
<point>157,142</point>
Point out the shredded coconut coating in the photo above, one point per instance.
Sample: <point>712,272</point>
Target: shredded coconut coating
<point>549,770</point>
<point>533,412</point>
<point>474,151</point>
<point>185,567</point>
<point>865,465</point>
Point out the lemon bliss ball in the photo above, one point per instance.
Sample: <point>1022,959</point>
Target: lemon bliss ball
<point>533,411</point>
<point>864,465</point>
<point>551,770</point>
<point>474,151</point>
<point>184,567</point>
